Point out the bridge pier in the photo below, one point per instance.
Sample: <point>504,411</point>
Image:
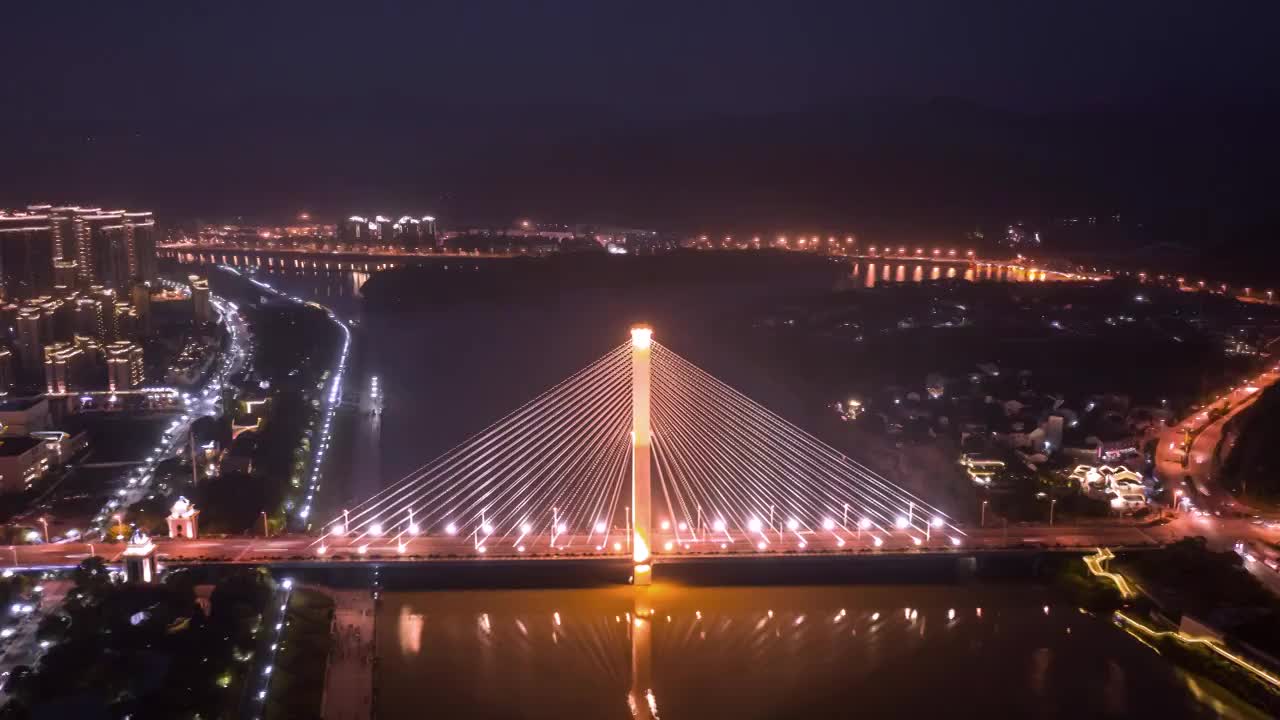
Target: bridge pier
<point>641,508</point>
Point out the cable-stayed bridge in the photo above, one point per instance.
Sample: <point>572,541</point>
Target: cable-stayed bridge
<point>640,453</point>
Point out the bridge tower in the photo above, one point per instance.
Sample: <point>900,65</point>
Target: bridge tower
<point>641,510</point>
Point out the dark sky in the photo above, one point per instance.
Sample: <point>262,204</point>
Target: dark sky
<point>508,107</point>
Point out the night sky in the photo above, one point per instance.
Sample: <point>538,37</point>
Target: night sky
<point>680,114</point>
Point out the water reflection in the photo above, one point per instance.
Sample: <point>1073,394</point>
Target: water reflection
<point>677,652</point>
<point>329,278</point>
<point>870,273</point>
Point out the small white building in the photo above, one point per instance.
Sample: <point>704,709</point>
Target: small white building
<point>140,562</point>
<point>184,520</point>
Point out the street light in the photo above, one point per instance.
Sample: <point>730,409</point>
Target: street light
<point>984,513</point>
<point>1052,503</point>
<point>45,523</point>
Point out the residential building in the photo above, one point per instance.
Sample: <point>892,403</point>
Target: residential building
<point>124,365</point>
<point>23,460</point>
<point>23,416</point>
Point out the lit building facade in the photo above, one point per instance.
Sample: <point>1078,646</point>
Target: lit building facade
<point>125,368</point>
<point>26,255</point>
<point>67,368</point>
<point>200,299</point>
<point>75,246</point>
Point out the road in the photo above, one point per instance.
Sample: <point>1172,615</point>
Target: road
<point>1199,470</point>
<point>205,402</point>
<point>1221,531</point>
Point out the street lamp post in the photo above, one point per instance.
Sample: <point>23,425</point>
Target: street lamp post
<point>45,523</point>
<point>266,531</point>
<point>1052,503</point>
<point>984,513</point>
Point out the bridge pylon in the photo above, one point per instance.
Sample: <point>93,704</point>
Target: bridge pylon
<point>641,505</point>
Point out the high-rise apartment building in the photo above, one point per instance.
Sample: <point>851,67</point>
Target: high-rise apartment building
<point>67,367</point>
<point>78,246</point>
<point>26,255</point>
<point>124,365</point>
<point>200,299</point>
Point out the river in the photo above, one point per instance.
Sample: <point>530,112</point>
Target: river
<point>768,652</point>
<point>968,650</point>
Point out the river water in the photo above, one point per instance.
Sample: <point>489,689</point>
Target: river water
<point>768,652</point>
<point>973,650</point>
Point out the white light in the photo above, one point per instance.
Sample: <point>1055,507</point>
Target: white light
<point>519,548</point>
<point>667,546</point>
<point>936,523</point>
<point>561,528</point>
<point>761,545</point>
<point>877,541</point>
<point>336,530</point>
<point>451,529</point>
<point>666,525</point>
<point>362,549</point>
<point>414,529</point>
<point>754,525</point>
<point>864,524</point>
<point>287,583</point>
<point>375,529</point>
<point>718,526</point>
<point>916,540</point>
<point>599,527</point>
<point>486,528</point>
<point>322,550</point>
<point>525,528</point>
<point>482,550</point>
<point>955,541</point>
<point>793,524</point>
<point>828,524</point>
<point>617,546</point>
<point>901,522</point>
<point>683,527</point>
